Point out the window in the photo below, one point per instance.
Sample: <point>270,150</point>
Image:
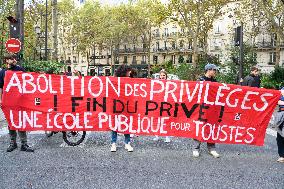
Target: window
<point>272,59</point>
<point>273,39</point>
<point>157,33</point>
<point>189,60</point>
<point>125,60</point>
<point>190,45</point>
<point>155,59</point>
<point>166,32</point>
<point>174,45</point>
<point>217,29</point>
<point>181,44</point>
<point>165,44</point>
<point>144,46</point>
<point>143,59</point>
<point>157,45</point>
<point>174,59</point>
<point>134,60</point>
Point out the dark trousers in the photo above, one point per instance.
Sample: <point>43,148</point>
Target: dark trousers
<point>280,145</point>
<point>114,137</point>
<point>13,136</point>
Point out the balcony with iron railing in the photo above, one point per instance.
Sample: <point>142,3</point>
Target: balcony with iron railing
<point>130,50</point>
<point>267,45</point>
<point>172,49</point>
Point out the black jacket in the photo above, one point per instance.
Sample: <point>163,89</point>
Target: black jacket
<point>204,78</point>
<point>251,81</point>
<point>3,71</point>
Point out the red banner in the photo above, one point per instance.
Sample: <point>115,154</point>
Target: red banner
<point>205,111</point>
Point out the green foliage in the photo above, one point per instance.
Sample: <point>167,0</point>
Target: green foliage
<point>275,80</point>
<point>229,71</point>
<point>186,71</point>
<point>43,66</point>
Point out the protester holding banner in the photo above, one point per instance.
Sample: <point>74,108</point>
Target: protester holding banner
<point>69,72</point>
<point>163,75</point>
<point>11,64</point>
<point>252,80</point>
<point>280,131</point>
<point>210,73</point>
<point>122,71</point>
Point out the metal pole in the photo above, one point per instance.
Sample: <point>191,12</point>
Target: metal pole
<point>241,60</point>
<point>45,53</point>
<point>95,59</point>
<point>55,28</point>
<point>20,17</point>
<point>2,43</point>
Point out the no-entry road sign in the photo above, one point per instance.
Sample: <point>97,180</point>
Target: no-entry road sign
<point>13,45</point>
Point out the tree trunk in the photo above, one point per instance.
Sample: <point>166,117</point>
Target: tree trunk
<point>55,29</point>
<point>277,62</point>
<point>111,58</point>
<point>149,52</point>
<point>195,40</point>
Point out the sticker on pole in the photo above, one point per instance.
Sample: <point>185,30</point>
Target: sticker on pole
<point>13,45</point>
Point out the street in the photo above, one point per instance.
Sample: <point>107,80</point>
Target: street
<point>153,164</point>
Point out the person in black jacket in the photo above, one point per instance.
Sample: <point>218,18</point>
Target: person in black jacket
<point>11,64</point>
<point>210,73</point>
<point>252,80</point>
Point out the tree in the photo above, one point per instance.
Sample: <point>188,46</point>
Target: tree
<point>6,9</point>
<point>197,17</point>
<point>270,16</point>
<point>35,16</point>
<point>229,70</point>
<point>152,13</point>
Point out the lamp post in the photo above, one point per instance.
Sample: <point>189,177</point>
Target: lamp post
<point>38,32</point>
<point>241,61</point>
<point>45,48</point>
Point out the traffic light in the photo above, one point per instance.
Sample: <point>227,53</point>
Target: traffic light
<point>14,27</point>
<point>238,31</point>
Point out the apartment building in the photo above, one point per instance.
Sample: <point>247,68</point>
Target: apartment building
<point>169,43</point>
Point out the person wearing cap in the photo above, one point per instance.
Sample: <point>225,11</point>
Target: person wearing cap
<point>210,73</point>
<point>252,80</point>
<point>11,63</point>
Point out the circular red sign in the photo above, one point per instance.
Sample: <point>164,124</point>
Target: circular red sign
<point>13,45</point>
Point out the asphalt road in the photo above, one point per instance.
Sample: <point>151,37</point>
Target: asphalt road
<point>151,165</point>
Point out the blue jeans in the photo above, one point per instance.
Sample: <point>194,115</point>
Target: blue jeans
<point>114,137</point>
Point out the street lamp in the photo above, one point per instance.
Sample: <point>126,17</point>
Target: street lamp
<point>38,32</point>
